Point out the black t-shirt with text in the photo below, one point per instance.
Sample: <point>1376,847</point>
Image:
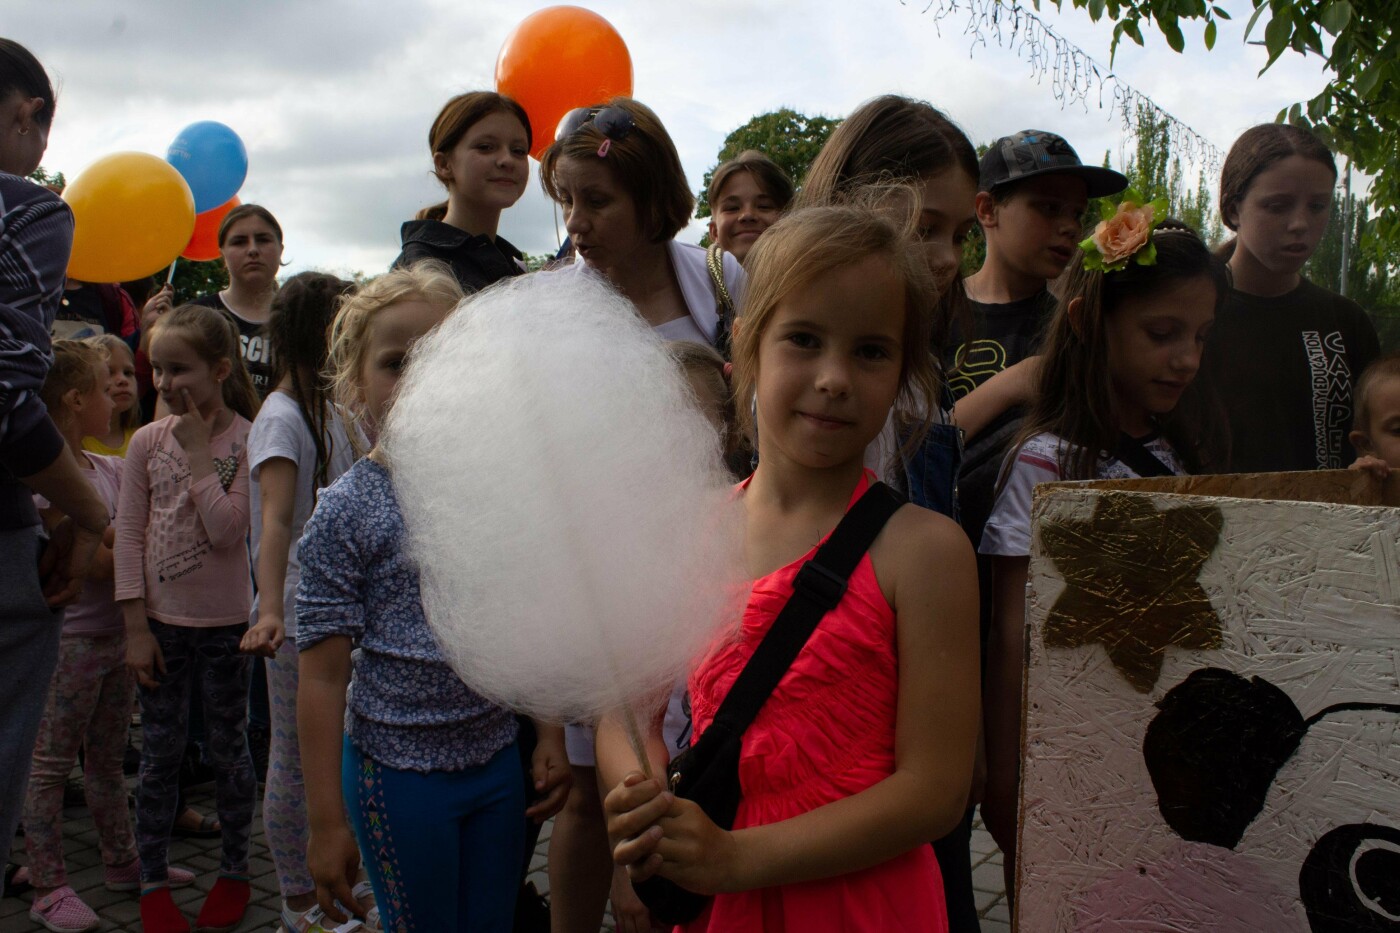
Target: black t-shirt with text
<point>1003,335</point>
<point>1286,370</point>
<point>253,343</point>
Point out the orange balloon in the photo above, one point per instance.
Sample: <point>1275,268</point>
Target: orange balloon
<point>560,58</point>
<point>204,242</point>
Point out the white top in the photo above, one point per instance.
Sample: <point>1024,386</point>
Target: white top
<point>281,431</point>
<point>1008,531</point>
<point>693,277</point>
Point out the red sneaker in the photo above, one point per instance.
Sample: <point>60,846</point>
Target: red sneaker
<point>159,913</point>
<point>223,908</point>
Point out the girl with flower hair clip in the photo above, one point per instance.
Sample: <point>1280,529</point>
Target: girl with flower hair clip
<point>1117,397</point>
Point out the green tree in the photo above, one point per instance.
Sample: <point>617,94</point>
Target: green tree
<point>55,180</point>
<point>1154,170</point>
<point>789,138</point>
<point>193,279</point>
<point>1357,112</point>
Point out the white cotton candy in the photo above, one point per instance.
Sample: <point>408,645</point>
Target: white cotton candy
<point>576,533</point>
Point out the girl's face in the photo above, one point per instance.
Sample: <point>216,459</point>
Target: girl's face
<point>490,164</point>
<point>946,217</point>
<point>1154,350</point>
<point>1037,228</point>
<point>741,212</point>
<point>177,369</point>
<point>1283,214</point>
<point>391,334</point>
<point>600,216</point>
<point>829,365</point>
<point>94,407</point>
<point>252,251</point>
<point>121,369</point>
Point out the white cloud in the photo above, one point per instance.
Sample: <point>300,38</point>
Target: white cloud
<point>334,100</point>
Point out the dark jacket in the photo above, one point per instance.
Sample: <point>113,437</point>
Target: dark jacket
<point>476,260</point>
<point>36,234</point>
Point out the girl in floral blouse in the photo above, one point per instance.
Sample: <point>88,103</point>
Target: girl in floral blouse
<point>428,771</point>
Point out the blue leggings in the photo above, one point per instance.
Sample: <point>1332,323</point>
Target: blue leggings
<point>442,849</point>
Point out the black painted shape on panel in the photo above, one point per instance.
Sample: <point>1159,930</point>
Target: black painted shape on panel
<point>1213,750</point>
<point>1343,893</point>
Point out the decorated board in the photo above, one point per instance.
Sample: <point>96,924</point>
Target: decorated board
<point>1212,717</point>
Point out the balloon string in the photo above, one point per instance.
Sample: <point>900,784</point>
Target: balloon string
<point>171,276</point>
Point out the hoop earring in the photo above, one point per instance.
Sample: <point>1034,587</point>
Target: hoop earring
<point>24,131</point>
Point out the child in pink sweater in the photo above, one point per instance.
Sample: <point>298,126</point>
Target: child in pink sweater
<point>182,580</point>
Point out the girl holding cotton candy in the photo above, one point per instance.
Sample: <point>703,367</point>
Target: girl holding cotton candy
<point>615,172</point>
<point>426,769</point>
<point>832,832</point>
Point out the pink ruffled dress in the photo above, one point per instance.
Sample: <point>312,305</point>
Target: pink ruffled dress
<point>827,732</point>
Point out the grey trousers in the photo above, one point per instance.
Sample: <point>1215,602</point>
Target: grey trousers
<point>29,633</point>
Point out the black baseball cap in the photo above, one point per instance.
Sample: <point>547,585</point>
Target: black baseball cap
<point>1035,152</point>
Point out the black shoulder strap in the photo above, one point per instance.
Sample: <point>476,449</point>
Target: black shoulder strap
<point>819,586</point>
<point>1139,459</point>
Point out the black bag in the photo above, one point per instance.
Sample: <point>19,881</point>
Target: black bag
<point>708,771</point>
<point>1134,454</point>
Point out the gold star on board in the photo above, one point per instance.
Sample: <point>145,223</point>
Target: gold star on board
<point>1131,585</point>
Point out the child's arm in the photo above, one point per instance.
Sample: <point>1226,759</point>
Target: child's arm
<point>143,655</point>
<point>277,482</point>
<point>331,852</point>
<point>1013,386</point>
<point>1005,664</point>
<point>936,730</point>
<point>549,768</point>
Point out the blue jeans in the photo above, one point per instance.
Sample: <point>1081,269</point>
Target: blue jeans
<point>442,848</point>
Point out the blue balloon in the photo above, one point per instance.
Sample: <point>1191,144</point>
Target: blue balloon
<point>212,159</point>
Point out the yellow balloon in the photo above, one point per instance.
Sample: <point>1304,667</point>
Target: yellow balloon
<point>133,214</point>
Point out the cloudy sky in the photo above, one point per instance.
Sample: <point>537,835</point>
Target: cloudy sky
<point>334,99</point>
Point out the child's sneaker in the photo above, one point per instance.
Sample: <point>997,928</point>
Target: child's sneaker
<point>159,913</point>
<point>63,911</point>
<point>224,906</point>
<point>128,877</point>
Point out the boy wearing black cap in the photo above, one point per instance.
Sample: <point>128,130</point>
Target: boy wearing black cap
<point>1033,192</point>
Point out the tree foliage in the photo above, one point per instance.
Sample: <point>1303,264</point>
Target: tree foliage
<point>1154,169</point>
<point>789,138</point>
<point>1357,112</point>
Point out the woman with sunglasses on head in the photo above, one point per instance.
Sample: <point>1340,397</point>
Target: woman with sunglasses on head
<point>481,154</point>
<point>615,172</point>
<point>618,178</point>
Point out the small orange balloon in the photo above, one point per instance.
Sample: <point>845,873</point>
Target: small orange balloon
<point>560,58</point>
<point>204,242</point>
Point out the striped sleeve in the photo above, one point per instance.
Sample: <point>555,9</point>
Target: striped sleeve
<point>36,235</point>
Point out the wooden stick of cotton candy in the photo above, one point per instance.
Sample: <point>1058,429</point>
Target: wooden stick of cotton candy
<point>578,542</point>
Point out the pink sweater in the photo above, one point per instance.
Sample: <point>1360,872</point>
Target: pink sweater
<point>183,546</point>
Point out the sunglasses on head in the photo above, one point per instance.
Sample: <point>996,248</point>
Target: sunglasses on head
<point>613,122</point>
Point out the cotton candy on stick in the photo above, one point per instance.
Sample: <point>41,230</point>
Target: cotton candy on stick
<point>578,543</point>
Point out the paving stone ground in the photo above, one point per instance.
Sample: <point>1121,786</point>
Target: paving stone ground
<point>119,911</point>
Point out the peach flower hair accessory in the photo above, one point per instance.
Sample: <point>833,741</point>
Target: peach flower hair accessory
<point>1123,234</point>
